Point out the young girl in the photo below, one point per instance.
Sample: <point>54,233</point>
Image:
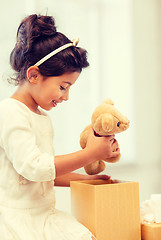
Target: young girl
<point>46,64</point>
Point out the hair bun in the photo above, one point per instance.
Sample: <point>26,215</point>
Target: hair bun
<point>36,37</point>
<point>33,27</point>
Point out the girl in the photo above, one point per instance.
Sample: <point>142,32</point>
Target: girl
<point>46,64</point>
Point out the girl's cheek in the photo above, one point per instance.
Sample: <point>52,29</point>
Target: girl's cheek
<point>55,95</point>
<point>58,94</point>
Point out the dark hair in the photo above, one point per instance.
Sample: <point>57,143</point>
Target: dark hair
<point>36,37</point>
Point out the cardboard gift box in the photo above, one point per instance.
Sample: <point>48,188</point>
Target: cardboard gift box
<point>111,211</point>
<point>151,231</point>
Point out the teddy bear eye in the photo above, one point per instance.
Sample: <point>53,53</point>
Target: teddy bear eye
<point>118,124</point>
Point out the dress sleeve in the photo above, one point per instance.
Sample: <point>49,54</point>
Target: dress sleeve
<point>18,140</point>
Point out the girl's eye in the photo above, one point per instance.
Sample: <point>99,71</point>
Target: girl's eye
<point>118,124</point>
<point>62,88</point>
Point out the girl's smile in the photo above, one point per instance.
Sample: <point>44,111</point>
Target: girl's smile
<point>45,92</point>
<point>54,103</point>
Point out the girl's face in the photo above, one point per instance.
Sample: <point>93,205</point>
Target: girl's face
<point>48,92</point>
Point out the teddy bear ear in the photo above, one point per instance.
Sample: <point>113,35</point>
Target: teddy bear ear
<point>108,101</point>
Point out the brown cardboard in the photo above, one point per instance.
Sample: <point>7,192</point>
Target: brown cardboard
<point>110,211</point>
<point>151,231</point>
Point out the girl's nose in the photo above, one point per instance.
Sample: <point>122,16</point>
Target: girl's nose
<point>65,96</point>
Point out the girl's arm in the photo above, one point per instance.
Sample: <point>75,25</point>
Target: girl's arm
<point>97,148</point>
<point>64,181</point>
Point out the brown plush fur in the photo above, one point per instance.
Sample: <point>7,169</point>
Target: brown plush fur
<point>106,120</point>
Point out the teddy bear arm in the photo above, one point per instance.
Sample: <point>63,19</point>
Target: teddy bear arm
<point>113,159</point>
<point>84,136</point>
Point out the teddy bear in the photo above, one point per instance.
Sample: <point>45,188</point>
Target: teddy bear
<point>106,120</point>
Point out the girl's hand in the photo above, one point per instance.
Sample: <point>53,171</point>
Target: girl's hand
<point>102,147</point>
<point>98,177</point>
<point>97,148</point>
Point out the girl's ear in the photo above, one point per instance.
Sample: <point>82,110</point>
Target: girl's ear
<point>32,74</point>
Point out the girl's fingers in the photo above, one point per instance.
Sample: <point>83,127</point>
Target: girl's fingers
<point>105,177</point>
<point>111,137</point>
<point>101,177</point>
<point>116,153</point>
<point>115,144</point>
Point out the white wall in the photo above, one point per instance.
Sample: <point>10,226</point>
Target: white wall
<point>147,98</point>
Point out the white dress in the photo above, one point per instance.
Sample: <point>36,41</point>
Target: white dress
<point>27,173</point>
